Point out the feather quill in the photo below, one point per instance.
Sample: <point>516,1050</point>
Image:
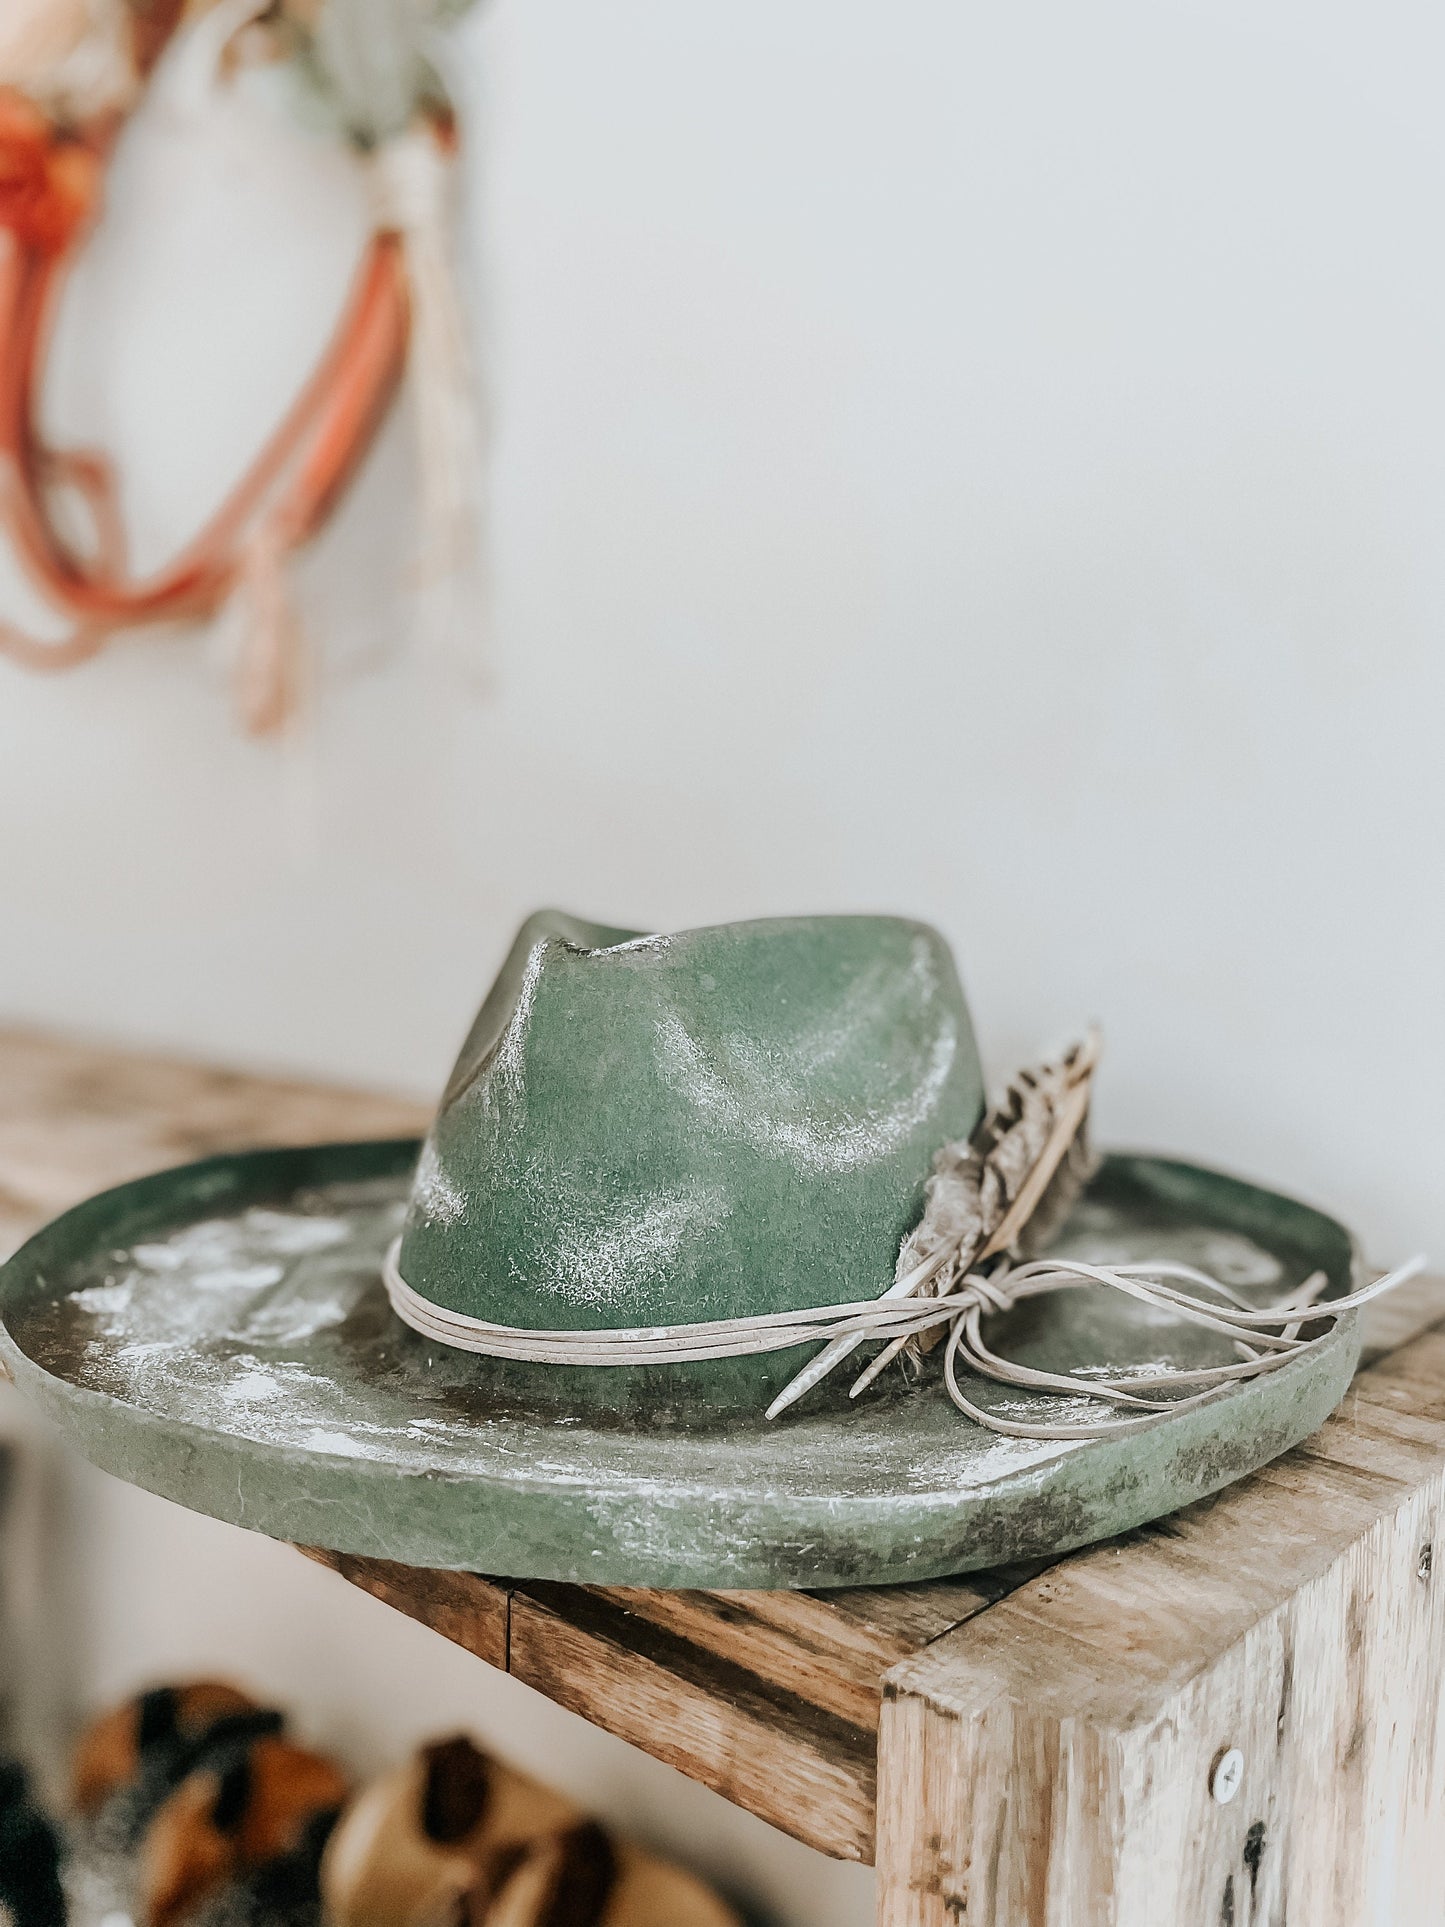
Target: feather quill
<point>1008,1187</point>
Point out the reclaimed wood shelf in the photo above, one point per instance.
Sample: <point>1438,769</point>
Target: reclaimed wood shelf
<point>1032,1748</point>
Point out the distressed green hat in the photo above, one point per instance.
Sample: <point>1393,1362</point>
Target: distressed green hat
<point>677,1187</point>
<point>658,1130</point>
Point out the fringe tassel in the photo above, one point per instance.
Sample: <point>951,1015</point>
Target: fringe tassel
<point>411,181</point>
<point>270,666</point>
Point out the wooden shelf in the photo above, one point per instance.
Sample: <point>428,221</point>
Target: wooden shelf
<point>776,1700</point>
<point>773,1699</point>
<point>1029,1749</point>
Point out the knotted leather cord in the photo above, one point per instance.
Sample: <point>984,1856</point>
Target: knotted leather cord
<point>1264,1338</point>
<point>303,466</point>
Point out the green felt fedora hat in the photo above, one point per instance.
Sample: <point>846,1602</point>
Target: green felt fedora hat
<point>764,1121</point>
<point>648,1130</point>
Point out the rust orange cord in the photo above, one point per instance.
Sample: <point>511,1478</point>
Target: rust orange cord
<point>49,187</point>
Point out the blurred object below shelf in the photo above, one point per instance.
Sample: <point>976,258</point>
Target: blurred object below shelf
<point>31,1894</point>
<point>193,1808</point>
<point>455,1836</point>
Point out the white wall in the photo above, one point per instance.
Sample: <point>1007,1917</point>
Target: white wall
<point>988,462</point>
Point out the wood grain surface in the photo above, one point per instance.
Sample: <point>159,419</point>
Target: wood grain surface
<point>75,1119</point>
<point>1031,1748</point>
<point>1050,1762</point>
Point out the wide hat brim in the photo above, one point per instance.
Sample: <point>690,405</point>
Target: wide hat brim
<point>220,1334</point>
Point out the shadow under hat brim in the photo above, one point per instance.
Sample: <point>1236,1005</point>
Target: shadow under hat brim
<point>274,1388</point>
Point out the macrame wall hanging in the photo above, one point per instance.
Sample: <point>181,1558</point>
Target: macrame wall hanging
<point>71,71</point>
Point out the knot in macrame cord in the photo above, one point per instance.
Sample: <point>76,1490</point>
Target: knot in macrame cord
<point>407,179</point>
<point>991,1293</point>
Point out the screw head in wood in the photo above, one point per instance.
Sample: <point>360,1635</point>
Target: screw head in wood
<point>1227,1775</point>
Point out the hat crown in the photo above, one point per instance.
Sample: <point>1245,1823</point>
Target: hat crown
<point>668,1129</point>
